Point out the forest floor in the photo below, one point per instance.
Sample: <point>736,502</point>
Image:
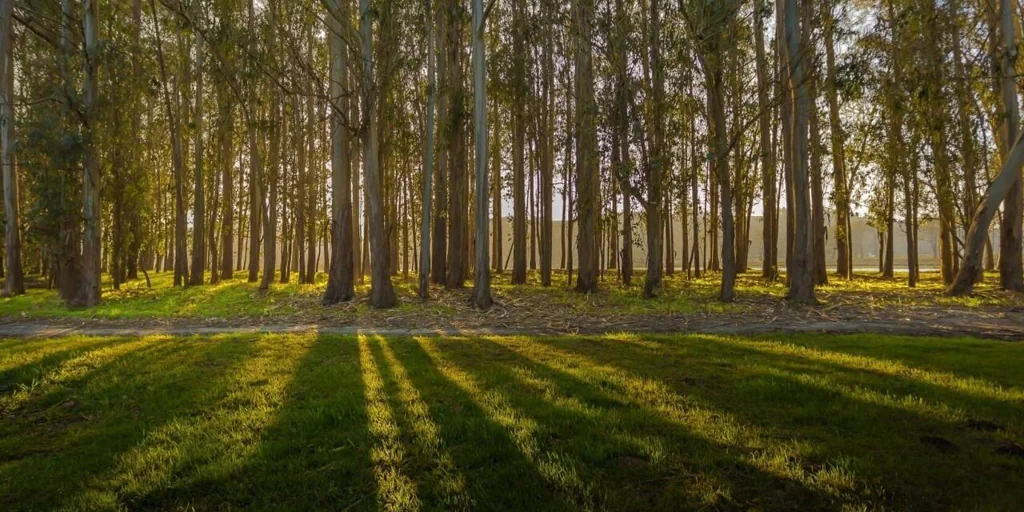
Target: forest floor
<point>317,421</point>
<point>865,304</point>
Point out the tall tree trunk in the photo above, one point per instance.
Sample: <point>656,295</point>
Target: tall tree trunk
<point>620,140</point>
<point>340,280</point>
<point>457,212</point>
<point>1011,272</point>
<point>198,205</point>
<point>382,294</point>
<point>801,279</point>
<point>482,276</point>
<point>428,160</point>
<point>14,279</point>
<point>655,179</point>
<point>497,252</point>
<point>89,289</point>
<point>519,242</point>
<point>844,259</point>
<point>720,150</point>
<point>769,258</point>
<point>255,171</point>
<point>817,189</point>
<point>274,166</point>
<point>314,192</point>
<point>694,176</point>
<point>817,194</point>
<point>227,233</point>
<point>547,164</point>
<point>911,221</point>
<point>589,203</point>
<point>439,265</point>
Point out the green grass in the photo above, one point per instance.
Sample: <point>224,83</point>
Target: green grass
<point>619,422</point>
<point>237,299</point>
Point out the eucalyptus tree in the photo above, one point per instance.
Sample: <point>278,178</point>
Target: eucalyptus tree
<point>519,124</point>
<point>768,179</point>
<point>340,278</point>
<point>481,297</point>
<point>840,179</point>
<point>382,293</point>
<point>1006,182</point>
<point>589,187</point>
<point>198,199</point>
<point>801,279</point>
<point>428,157</point>
<point>14,280</point>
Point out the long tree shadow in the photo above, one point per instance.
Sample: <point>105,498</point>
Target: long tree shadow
<point>31,365</point>
<point>899,441</point>
<point>642,457</point>
<point>439,481</point>
<point>72,375</point>
<point>310,453</point>
<point>934,393</point>
<point>491,443</point>
<point>114,407</point>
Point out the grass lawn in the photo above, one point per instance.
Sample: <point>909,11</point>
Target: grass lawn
<point>308,421</point>
<point>236,299</point>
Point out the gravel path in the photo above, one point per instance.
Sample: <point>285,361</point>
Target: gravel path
<point>1010,329</point>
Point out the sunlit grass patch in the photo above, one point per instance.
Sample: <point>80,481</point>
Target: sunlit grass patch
<point>678,295</point>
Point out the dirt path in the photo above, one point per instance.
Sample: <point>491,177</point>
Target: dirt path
<point>937,323</point>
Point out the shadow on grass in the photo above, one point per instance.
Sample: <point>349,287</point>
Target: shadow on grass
<point>309,452</point>
<point>489,442</point>
<point>936,392</point>
<point>30,366</point>
<point>64,455</point>
<point>919,451</point>
<point>641,457</point>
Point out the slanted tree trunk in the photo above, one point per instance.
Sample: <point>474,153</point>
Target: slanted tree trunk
<point>1005,188</point>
